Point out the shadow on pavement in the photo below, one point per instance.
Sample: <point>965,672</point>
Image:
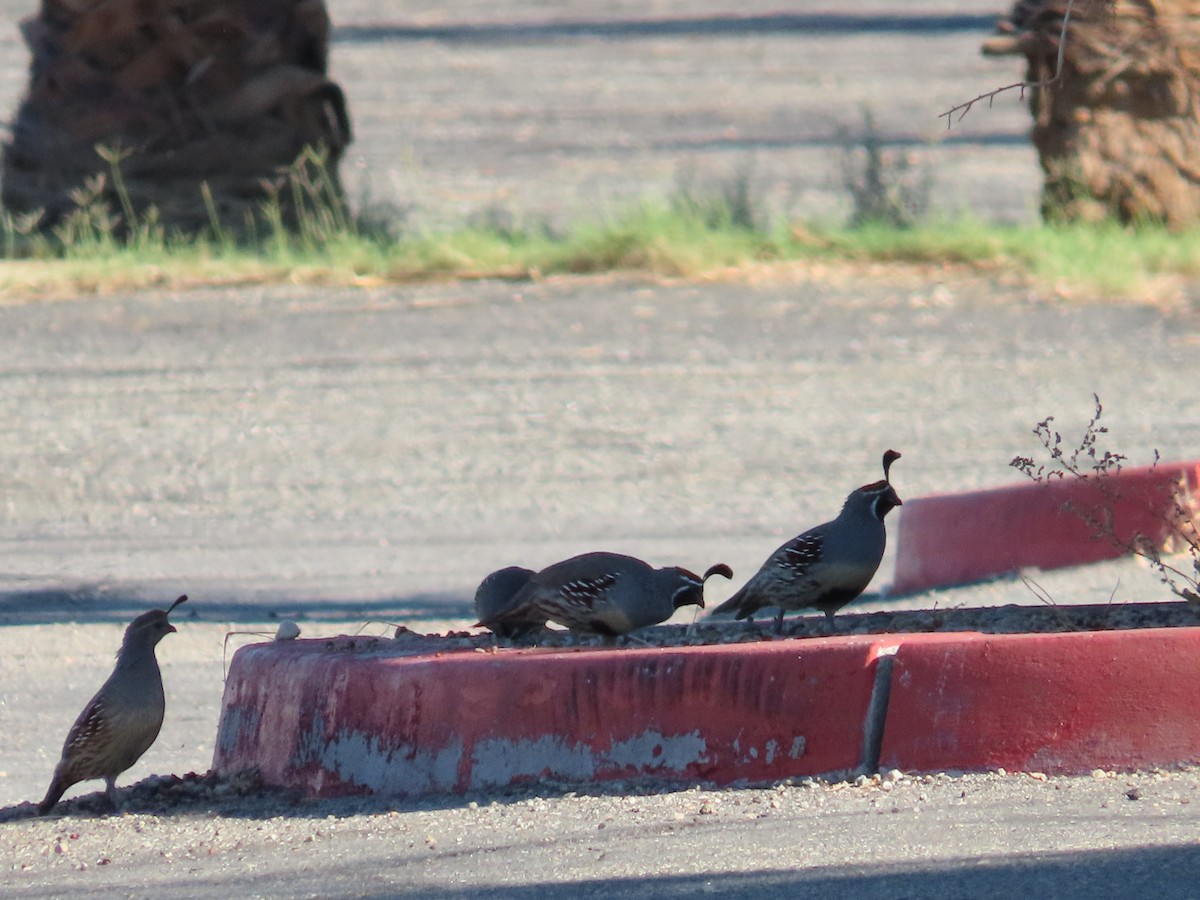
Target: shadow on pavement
<point>1162,872</point>
<point>733,25</point>
<point>116,603</point>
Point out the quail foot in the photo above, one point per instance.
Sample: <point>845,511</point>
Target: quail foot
<point>827,566</point>
<point>607,593</point>
<point>121,722</point>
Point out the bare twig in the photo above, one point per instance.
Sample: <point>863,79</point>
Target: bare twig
<point>963,108</point>
<point>1037,590</point>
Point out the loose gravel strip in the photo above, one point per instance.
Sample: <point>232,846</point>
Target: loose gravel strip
<point>178,837</point>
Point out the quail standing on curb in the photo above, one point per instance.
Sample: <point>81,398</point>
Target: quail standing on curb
<point>607,594</point>
<point>495,596</point>
<point>121,722</point>
<point>827,566</point>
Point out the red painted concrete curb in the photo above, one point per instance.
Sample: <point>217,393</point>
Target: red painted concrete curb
<point>1064,703</point>
<point>344,716</point>
<point>949,539</point>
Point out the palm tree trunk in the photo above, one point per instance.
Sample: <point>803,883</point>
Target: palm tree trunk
<point>187,93</point>
<point>1118,133</point>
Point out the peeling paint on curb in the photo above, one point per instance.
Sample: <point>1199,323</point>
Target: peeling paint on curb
<point>499,762</point>
<point>409,725</point>
<point>368,761</point>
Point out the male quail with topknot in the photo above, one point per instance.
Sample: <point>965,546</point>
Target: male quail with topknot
<point>827,566</point>
<point>121,722</point>
<point>606,593</point>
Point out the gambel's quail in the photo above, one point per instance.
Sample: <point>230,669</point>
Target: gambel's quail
<point>495,596</point>
<point>827,566</point>
<point>121,722</point>
<point>607,593</point>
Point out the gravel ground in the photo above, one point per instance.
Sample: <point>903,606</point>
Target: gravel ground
<point>379,451</point>
<point>895,836</point>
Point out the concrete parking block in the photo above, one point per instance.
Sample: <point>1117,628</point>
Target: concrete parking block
<point>346,715</point>
<point>1055,703</point>
<point>950,539</point>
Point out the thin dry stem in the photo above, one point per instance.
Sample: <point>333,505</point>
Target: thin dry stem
<point>963,108</point>
<point>1179,529</point>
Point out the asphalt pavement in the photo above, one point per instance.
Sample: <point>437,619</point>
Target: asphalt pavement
<point>352,456</point>
<point>993,836</point>
<point>377,451</point>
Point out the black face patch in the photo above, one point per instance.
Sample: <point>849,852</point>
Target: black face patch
<point>688,595</point>
<point>885,502</point>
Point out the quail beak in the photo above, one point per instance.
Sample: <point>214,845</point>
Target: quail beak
<point>171,629</point>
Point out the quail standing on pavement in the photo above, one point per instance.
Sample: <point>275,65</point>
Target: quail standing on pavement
<point>606,593</point>
<point>494,597</point>
<point>121,722</point>
<point>827,566</point>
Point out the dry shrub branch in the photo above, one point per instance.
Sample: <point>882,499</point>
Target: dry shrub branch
<point>1087,461</point>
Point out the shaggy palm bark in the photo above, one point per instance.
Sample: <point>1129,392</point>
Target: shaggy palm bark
<point>219,92</point>
<point>1118,133</point>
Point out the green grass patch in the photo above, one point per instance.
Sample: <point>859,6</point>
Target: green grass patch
<point>1105,260</point>
<point>950,242</point>
<point>1109,260</point>
<point>682,237</point>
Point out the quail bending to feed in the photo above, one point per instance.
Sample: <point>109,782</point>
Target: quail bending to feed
<point>495,596</point>
<point>606,593</point>
<point>121,722</point>
<point>827,566</point>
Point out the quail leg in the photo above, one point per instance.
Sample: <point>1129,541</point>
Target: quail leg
<point>110,789</point>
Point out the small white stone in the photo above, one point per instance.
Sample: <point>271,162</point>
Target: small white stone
<point>287,631</point>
